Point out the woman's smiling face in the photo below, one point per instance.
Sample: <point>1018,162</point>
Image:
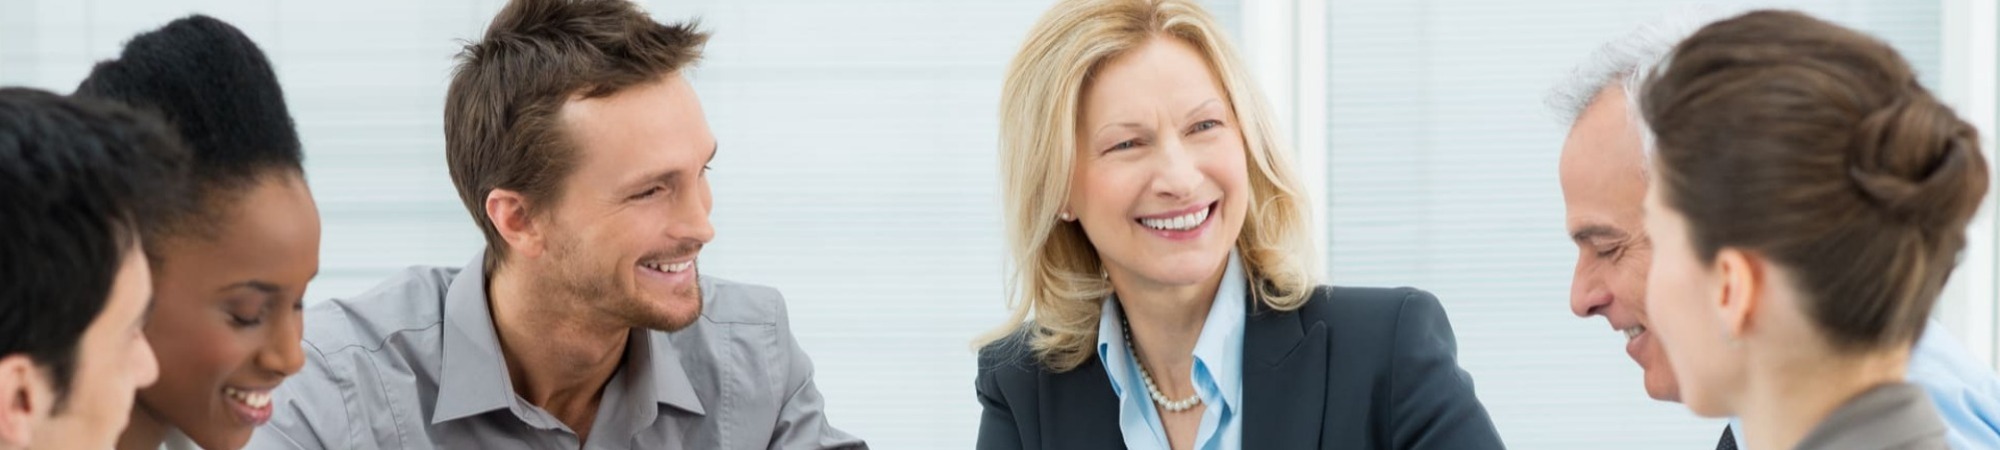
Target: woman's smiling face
<point>227,321</point>
<point>1161,182</point>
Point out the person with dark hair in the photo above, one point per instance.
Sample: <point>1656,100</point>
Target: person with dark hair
<point>1811,202</point>
<point>230,267</point>
<point>78,181</point>
<point>1605,164</point>
<point>581,152</point>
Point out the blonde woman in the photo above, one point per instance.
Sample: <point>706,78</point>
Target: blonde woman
<point>1160,245</point>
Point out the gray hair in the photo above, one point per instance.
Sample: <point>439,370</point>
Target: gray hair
<point>1628,61</point>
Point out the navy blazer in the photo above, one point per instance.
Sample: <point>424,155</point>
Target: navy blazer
<point>1354,368</point>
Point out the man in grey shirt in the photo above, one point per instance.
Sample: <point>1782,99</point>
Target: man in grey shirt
<point>582,154</point>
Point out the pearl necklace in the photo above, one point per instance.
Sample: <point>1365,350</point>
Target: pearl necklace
<point>1147,378</point>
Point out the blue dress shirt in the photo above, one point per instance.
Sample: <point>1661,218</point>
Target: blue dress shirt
<point>1217,371</point>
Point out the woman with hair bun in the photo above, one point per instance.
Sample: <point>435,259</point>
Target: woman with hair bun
<point>1811,202</point>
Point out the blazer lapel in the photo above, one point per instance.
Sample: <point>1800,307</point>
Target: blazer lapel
<point>1088,415</point>
<point>1284,378</point>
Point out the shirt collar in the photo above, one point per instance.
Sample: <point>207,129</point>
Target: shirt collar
<point>1218,350</point>
<point>1111,348</point>
<point>671,386</point>
<point>474,378</point>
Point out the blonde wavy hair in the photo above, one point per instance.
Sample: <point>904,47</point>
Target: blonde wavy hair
<point>1056,275</point>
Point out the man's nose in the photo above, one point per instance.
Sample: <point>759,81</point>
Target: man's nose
<point>1587,295</point>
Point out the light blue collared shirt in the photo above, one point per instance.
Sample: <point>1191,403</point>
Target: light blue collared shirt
<point>1967,394</point>
<point>1217,372</point>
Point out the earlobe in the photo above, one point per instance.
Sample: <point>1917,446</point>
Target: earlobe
<point>508,210</point>
<point>1742,288</point>
<point>19,401</point>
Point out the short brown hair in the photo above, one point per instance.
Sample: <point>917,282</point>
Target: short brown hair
<point>501,123</point>
<point>1813,145</point>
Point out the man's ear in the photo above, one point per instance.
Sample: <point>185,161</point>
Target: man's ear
<point>1743,278</point>
<point>509,211</point>
<point>25,398</point>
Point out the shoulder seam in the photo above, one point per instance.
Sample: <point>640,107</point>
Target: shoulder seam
<point>379,343</point>
<point>1395,348</point>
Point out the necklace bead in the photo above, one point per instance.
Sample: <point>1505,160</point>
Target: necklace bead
<point>1147,378</point>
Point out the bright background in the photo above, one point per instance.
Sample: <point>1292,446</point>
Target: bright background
<point>857,171</point>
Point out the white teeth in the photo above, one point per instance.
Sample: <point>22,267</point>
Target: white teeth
<point>1634,332</point>
<point>669,268</point>
<point>256,399</point>
<point>1183,222</point>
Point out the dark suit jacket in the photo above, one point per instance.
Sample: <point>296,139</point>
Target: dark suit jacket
<point>1354,368</point>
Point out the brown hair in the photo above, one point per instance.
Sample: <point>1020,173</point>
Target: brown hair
<point>502,130</point>
<point>1813,145</point>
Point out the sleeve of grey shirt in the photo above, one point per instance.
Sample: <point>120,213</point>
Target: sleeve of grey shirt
<point>309,407</point>
<point>802,421</point>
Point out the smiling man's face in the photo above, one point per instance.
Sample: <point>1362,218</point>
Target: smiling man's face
<point>1604,189</point>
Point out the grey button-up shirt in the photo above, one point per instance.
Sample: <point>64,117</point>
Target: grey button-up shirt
<point>415,364</point>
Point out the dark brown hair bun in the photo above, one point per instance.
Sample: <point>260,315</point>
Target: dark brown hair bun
<point>1814,146</point>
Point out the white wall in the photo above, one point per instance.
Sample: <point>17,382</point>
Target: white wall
<point>1967,82</point>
